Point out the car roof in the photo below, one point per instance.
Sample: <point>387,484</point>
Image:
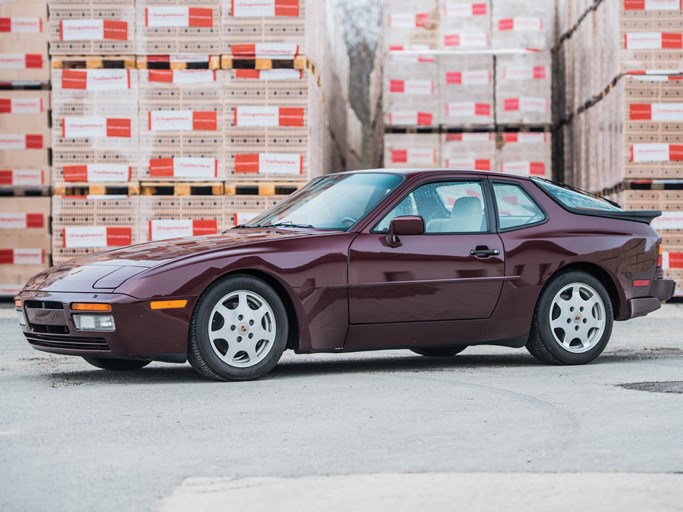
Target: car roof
<point>424,172</point>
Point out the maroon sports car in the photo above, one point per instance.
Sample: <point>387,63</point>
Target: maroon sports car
<point>431,261</point>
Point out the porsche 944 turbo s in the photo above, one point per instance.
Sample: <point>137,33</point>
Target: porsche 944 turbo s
<point>431,261</point>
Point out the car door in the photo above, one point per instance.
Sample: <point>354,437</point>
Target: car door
<point>453,271</point>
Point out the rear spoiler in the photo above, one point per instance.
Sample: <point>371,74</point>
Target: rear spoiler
<point>645,216</point>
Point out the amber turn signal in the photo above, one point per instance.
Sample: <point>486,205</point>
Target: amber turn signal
<point>84,306</point>
<point>17,303</point>
<point>168,304</point>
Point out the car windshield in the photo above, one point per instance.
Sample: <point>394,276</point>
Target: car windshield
<point>573,198</point>
<point>334,202</point>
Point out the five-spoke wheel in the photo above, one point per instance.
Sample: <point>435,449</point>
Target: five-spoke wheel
<point>573,320</point>
<point>238,331</point>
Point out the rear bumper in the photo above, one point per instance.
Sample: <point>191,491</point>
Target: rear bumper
<point>661,290</point>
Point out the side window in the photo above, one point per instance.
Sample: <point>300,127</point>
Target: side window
<point>515,207</point>
<point>445,207</point>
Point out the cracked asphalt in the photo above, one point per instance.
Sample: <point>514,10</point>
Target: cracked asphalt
<point>393,430</point>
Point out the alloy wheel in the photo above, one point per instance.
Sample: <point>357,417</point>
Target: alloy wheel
<point>577,317</point>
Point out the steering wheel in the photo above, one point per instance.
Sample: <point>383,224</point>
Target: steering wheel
<point>349,220</point>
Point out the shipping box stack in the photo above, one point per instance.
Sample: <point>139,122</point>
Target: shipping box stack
<point>24,143</point>
<point>622,102</point>
<point>474,73</point>
<point>278,55</point>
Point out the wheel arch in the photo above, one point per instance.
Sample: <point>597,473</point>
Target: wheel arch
<point>601,275</point>
<point>294,335</point>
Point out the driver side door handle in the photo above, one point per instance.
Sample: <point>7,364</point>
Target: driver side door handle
<point>484,252</point>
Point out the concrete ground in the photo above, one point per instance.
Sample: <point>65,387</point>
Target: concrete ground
<point>484,430</point>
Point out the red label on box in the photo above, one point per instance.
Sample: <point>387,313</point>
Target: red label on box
<point>118,128</point>
<point>115,30</point>
<point>424,118</point>
<point>201,17</point>
<point>676,260</point>
<point>34,61</point>
<point>291,116</point>
<point>653,5</point>
<point>205,121</point>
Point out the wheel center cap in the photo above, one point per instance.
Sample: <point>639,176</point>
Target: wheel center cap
<point>243,328</point>
<point>577,318</point>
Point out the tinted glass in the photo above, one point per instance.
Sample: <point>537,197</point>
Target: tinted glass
<point>446,207</point>
<point>515,207</point>
<point>333,202</point>
<point>573,198</point>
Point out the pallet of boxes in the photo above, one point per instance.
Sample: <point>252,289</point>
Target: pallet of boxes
<point>24,143</point>
<point>623,115</point>
<point>467,85</point>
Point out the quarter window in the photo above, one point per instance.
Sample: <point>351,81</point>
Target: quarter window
<point>445,207</point>
<point>515,207</point>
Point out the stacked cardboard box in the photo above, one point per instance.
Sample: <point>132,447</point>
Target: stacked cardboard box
<point>621,98</point>
<point>24,143</point>
<point>23,42</point>
<point>457,66</point>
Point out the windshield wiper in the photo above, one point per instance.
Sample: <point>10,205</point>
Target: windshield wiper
<point>286,224</point>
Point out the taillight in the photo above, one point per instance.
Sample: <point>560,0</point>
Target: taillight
<point>660,258</point>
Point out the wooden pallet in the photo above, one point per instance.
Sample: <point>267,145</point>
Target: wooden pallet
<point>167,188</point>
<point>96,189</point>
<point>7,191</point>
<point>647,184</point>
<point>94,62</point>
<point>164,62</point>
<point>231,62</point>
<point>264,188</point>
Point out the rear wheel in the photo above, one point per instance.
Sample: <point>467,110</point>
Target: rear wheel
<point>573,320</point>
<point>107,363</point>
<point>238,331</point>
<point>439,352</point>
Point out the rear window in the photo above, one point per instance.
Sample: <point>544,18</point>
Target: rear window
<point>572,198</point>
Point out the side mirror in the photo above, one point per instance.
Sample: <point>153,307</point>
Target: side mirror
<point>406,225</point>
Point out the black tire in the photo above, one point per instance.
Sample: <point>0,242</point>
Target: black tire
<point>117,365</point>
<point>201,353</point>
<point>542,343</point>
<point>439,352</point>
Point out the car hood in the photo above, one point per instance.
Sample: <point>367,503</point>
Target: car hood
<point>108,270</point>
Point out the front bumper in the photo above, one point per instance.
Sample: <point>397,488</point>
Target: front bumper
<point>140,331</point>
<point>661,290</point>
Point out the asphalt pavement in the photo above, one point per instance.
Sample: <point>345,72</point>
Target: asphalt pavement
<point>487,429</point>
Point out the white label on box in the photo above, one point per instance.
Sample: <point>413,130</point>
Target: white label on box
<point>107,79</point>
<point>464,10</point>
<point>467,109</point>
<point>662,5</point>
<point>167,16</point>
<point>84,127</point>
<point>401,117</point>
<point>108,173</point>
<point>170,120</point>
<point>12,61</point>
<point>525,73</point>
<point>526,104</point>
<point>276,50</point>
<point>643,41</point>
<point>26,25</point>
<point>80,30</point>
<point>521,24</point>
<point>13,220</point>
<point>12,141</point>
<point>257,116</point>
<point>403,20</point>
<point>264,8</point>
<point>669,220</point>
<point>10,289</point>
<point>26,177</point>
<point>525,138</point>
<point>279,74</point>
<point>416,87</point>
<point>468,137</point>
<point>667,111</point>
<point>523,168</point>
<point>244,217</point>
<point>77,237</point>
<point>26,106</point>
<point>649,153</point>
<point>280,163</point>
<point>164,229</point>
<point>194,167</point>
<point>418,156</point>
<point>460,163</point>
<point>27,256</point>
<point>467,40</point>
<point>193,76</point>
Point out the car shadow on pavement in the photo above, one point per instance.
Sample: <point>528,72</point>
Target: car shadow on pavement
<point>309,367</point>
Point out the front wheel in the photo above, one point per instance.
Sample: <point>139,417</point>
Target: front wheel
<point>573,320</point>
<point>238,331</point>
<point>119,365</point>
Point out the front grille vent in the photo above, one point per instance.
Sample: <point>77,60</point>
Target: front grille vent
<point>75,343</point>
